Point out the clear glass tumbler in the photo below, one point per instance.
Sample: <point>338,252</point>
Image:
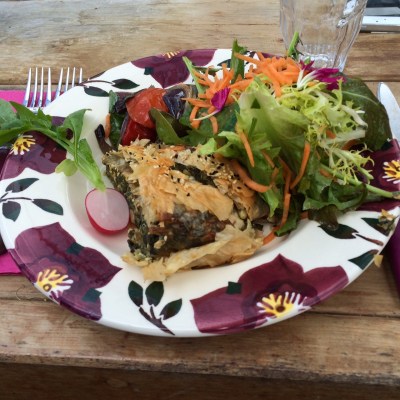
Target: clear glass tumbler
<point>327,28</point>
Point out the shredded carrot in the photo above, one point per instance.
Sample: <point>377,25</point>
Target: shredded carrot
<point>304,161</point>
<point>198,103</point>
<point>287,174</point>
<point>276,72</point>
<point>286,169</point>
<point>325,173</point>
<point>269,238</point>
<point>348,145</point>
<point>204,76</point>
<point>285,210</point>
<point>257,187</point>
<point>268,159</point>
<point>286,195</point>
<point>279,71</point>
<point>248,59</point>
<point>193,113</point>
<point>288,177</point>
<point>195,124</point>
<point>247,147</point>
<point>286,206</point>
<point>330,134</point>
<point>204,100</point>
<point>202,82</point>
<point>214,124</point>
<point>211,109</point>
<point>107,125</point>
<point>275,173</point>
<point>260,55</point>
<point>240,85</point>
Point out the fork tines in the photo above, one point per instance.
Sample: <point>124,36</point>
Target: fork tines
<point>34,97</point>
<point>73,82</point>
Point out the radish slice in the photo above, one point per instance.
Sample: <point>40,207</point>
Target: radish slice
<point>107,210</point>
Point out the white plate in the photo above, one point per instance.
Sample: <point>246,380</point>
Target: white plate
<point>44,224</point>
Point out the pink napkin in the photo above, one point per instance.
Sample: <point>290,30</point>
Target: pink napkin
<point>7,264</point>
<point>12,95</point>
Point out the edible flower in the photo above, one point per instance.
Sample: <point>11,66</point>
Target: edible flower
<point>330,76</point>
<point>219,98</point>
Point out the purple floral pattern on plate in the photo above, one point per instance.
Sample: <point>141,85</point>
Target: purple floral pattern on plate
<point>264,293</point>
<point>385,169</point>
<point>169,69</point>
<point>35,151</point>
<point>65,271</point>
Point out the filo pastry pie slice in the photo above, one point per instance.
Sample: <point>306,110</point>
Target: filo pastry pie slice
<point>188,210</point>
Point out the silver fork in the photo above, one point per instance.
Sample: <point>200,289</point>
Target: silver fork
<point>34,98</point>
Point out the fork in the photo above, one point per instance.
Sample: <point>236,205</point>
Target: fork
<point>34,99</point>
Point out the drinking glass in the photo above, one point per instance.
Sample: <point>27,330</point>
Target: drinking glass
<point>327,28</point>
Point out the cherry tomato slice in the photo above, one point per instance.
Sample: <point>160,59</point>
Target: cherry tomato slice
<point>140,105</point>
<point>131,131</point>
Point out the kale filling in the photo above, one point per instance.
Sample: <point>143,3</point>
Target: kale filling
<point>180,230</point>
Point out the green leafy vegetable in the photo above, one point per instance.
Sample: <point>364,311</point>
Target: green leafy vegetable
<point>357,93</point>
<point>282,126</point>
<point>237,65</point>
<point>13,124</point>
<point>292,129</point>
<point>227,119</point>
<point>165,130</point>
<point>292,50</point>
<point>191,68</point>
<point>279,128</point>
<point>116,119</point>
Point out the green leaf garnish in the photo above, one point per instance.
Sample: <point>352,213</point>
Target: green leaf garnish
<point>192,69</point>
<point>13,124</point>
<point>237,65</point>
<point>292,49</point>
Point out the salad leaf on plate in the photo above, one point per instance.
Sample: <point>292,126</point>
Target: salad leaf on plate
<point>67,135</point>
<point>237,65</point>
<point>306,127</point>
<point>358,93</point>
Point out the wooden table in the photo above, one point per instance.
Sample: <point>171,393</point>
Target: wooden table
<point>346,348</point>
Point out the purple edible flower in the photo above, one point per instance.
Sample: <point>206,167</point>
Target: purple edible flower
<point>219,98</point>
<point>307,67</point>
<point>330,76</point>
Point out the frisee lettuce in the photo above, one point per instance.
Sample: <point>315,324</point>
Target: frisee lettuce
<point>281,126</point>
<point>336,179</point>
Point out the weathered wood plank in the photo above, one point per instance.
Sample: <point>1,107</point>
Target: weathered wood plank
<point>98,36</point>
<point>123,33</point>
<point>105,384</point>
<point>344,349</point>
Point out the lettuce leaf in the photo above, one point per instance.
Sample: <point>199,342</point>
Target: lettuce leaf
<point>360,96</point>
<point>274,123</point>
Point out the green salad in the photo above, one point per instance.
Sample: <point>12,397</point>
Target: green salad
<point>299,136</point>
